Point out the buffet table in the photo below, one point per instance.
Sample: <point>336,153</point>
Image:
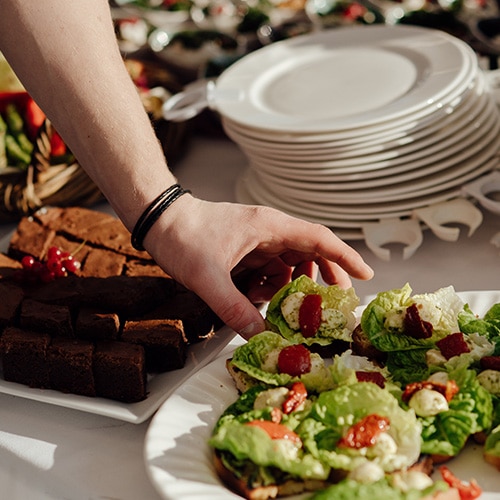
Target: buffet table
<point>52,452</point>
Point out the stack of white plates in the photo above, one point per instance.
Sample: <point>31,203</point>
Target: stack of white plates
<point>354,125</point>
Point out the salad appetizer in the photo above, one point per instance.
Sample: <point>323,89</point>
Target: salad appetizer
<point>418,380</point>
<point>306,312</point>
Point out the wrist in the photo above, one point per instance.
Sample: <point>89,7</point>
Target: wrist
<point>153,212</point>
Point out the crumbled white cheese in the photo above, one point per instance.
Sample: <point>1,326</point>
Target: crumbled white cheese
<point>273,398</point>
<point>367,472</point>
<point>439,378</point>
<point>332,319</point>
<point>490,380</point>
<point>427,403</point>
<point>434,357</point>
<point>411,480</point>
<point>384,446</point>
<point>270,363</point>
<point>290,306</point>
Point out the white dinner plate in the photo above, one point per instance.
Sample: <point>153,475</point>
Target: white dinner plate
<point>469,135</point>
<point>456,121</point>
<point>178,458</point>
<point>159,386</point>
<point>343,79</point>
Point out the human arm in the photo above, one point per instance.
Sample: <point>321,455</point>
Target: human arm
<point>65,53</point>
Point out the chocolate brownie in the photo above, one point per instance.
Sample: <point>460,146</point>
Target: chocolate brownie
<point>8,266</point>
<point>92,324</point>
<point>24,357</point>
<point>70,368</point>
<point>47,318</point>
<point>102,264</point>
<point>199,321</point>
<point>163,340</point>
<point>120,371</point>
<point>30,238</point>
<point>11,296</point>
<point>144,268</point>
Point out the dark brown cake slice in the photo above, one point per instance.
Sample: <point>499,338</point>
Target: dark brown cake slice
<point>70,366</point>
<point>144,268</point>
<point>163,340</point>
<point>92,324</point>
<point>102,264</point>
<point>120,371</point>
<point>199,321</point>
<point>24,357</point>
<point>8,266</point>
<point>47,318</point>
<point>30,238</point>
<point>11,296</point>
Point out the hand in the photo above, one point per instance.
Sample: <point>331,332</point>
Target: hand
<point>203,245</point>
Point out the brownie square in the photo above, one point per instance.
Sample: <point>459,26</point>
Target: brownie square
<point>24,357</point>
<point>47,318</point>
<point>30,238</point>
<point>92,324</point>
<point>144,268</point>
<point>198,320</point>
<point>8,266</point>
<point>120,371</point>
<point>163,340</point>
<point>10,303</point>
<point>102,264</point>
<point>70,366</point>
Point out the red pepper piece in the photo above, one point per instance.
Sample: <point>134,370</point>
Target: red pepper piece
<point>374,377</point>
<point>414,326</point>
<point>296,396</point>
<point>365,432</point>
<point>453,345</point>
<point>275,430</point>
<point>466,491</point>
<point>310,315</point>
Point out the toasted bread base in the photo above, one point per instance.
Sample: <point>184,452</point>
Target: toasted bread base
<point>288,488</point>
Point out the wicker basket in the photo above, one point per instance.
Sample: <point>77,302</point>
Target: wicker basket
<point>22,192</point>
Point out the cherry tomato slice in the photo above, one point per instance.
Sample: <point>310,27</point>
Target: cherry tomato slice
<point>296,396</point>
<point>295,360</point>
<point>275,430</point>
<point>466,491</point>
<point>365,432</point>
<point>310,315</point>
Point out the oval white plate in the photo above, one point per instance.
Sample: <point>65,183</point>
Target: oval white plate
<point>178,459</point>
<point>342,79</point>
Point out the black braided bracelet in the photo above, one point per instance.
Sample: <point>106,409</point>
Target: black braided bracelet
<point>153,213</point>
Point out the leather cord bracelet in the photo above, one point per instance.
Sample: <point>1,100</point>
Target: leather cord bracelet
<point>153,213</point>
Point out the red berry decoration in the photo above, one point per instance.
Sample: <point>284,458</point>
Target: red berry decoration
<point>310,315</point>
<point>58,265</point>
<point>295,360</point>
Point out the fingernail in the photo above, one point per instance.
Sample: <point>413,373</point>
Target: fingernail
<point>251,330</point>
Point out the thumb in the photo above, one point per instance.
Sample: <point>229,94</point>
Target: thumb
<point>234,308</point>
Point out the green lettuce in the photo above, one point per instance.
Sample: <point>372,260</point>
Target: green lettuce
<point>333,297</point>
<point>492,443</point>
<point>335,411</point>
<point>383,489</point>
<point>249,451</point>
<point>258,359</point>
<point>382,319</point>
<point>470,411</point>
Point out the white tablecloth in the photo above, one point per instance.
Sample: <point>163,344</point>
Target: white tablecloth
<point>54,453</point>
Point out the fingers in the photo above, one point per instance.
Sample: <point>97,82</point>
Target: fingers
<point>230,305</point>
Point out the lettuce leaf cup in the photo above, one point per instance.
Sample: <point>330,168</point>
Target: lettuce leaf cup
<point>306,312</point>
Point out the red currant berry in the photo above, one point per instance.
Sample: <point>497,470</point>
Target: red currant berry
<point>27,262</point>
<point>71,265</point>
<point>54,253</point>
